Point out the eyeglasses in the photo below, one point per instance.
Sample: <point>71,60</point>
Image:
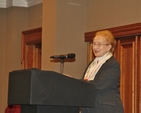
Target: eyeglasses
<point>98,45</point>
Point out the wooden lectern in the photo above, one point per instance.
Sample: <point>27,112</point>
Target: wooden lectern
<point>39,91</point>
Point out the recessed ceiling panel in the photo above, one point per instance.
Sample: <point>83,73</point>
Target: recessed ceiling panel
<point>18,3</point>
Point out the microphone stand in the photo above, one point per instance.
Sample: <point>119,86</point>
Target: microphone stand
<point>62,66</point>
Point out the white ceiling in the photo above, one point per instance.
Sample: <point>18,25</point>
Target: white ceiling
<point>18,3</point>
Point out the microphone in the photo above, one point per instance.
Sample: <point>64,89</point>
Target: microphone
<point>70,55</point>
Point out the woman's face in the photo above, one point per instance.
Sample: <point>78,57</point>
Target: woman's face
<point>100,46</point>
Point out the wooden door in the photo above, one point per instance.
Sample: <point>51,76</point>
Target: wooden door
<point>128,54</point>
<point>31,48</point>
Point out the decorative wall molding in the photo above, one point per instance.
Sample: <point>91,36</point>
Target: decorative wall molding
<point>120,31</point>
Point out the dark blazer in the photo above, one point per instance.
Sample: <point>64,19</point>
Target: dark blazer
<point>107,95</point>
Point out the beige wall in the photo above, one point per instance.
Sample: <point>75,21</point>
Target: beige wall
<point>48,33</point>
<point>10,53</point>
<point>2,59</point>
<point>35,16</point>
<point>63,32</point>
<point>103,14</point>
<point>70,28</point>
<point>13,21</point>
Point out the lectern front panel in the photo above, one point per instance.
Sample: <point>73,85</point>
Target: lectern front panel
<point>48,88</point>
